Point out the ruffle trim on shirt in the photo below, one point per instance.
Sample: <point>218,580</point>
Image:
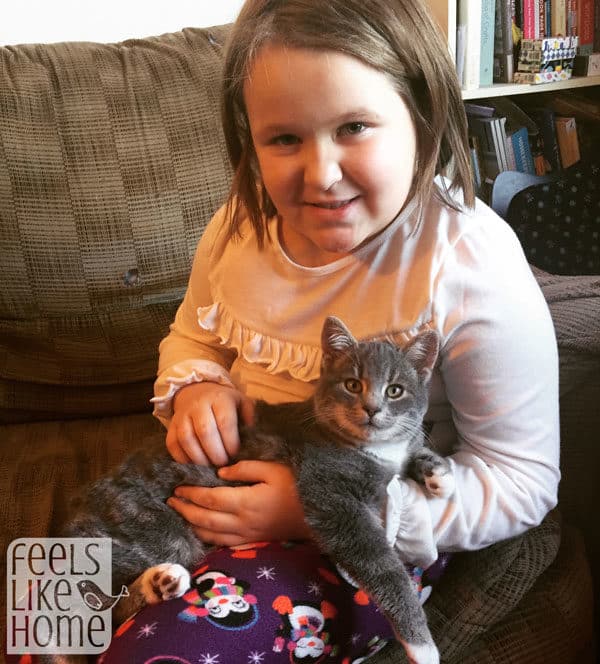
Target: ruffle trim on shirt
<point>301,361</point>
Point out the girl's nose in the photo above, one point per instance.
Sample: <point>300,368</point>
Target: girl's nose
<point>322,168</point>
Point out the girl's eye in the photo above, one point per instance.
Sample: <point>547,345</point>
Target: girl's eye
<point>394,391</point>
<point>352,128</point>
<point>353,385</point>
<point>285,139</point>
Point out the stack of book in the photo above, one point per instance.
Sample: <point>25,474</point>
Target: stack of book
<point>490,34</point>
<point>499,139</point>
<point>531,137</point>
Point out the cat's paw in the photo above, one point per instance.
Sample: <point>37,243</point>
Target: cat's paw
<point>439,482</point>
<point>163,582</point>
<point>424,653</point>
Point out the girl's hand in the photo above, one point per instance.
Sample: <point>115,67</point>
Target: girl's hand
<point>268,509</point>
<point>204,427</point>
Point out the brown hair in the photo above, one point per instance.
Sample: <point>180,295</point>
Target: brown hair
<point>396,37</point>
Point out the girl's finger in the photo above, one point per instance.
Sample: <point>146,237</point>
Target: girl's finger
<point>206,432</point>
<point>189,444</point>
<point>250,471</point>
<point>173,446</point>
<point>219,539</point>
<point>205,519</point>
<point>227,424</point>
<point>214,499</point>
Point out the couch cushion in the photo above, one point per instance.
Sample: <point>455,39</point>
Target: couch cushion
<point>44,464</point>
<point>112,161</point>
<point>513,602</point>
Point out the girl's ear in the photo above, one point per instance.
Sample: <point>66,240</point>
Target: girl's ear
<point>422,352</point>
<point>336,339</point>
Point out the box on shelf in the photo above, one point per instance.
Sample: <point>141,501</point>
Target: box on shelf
<point>587,65</point>
<point>546,60</point>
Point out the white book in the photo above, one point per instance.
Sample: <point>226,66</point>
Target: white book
<point>469,15</point>
<point>461,32</point>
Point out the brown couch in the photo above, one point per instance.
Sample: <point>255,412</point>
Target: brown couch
<point>111,163</point>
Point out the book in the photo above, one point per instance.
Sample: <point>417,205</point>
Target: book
<point>482,110</point>
<point>496,132</point>
<point>537,153</point>
<point>521,131</point>
<point>504,28</point>
<point>461,38</point>
<point>542,7</point>
<point>486,51</point>
<point>585,26</point>
<point>558,17</point>
<point>568,143</point>
<point>510,154</point>
<point>482,136</point>
<point>545,119</point>
<point>596,26</point>
<point>475,163</point>
<point>519,139</point>
<point>548,17</point>
<point>469,17</point>
<point>571,18</point>
<point>500,141</point>
<point>531,19</point>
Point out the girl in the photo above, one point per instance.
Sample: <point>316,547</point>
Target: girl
<point>352,196</point>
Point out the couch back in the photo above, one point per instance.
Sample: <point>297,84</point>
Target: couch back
<point>112,161</point>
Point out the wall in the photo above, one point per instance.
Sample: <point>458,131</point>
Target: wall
<point>47,21</point>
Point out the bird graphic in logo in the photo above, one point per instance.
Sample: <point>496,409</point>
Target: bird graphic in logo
<point>97,600</point>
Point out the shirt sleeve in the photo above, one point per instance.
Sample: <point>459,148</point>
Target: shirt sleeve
<point>499,364</point>
<point>189,353</point>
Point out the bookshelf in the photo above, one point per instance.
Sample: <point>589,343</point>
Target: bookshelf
<point>505,89</point>
<point>444,11</point>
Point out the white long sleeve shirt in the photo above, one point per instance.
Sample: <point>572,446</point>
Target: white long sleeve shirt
<point>253,318</point>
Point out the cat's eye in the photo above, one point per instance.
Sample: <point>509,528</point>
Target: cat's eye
<point>394,391</point>
<point>353,385</point>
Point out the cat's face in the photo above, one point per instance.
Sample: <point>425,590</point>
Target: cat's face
<point>372,392</point>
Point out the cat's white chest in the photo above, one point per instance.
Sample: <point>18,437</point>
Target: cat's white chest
<point>393,456</point>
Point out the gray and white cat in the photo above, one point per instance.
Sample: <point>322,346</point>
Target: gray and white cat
<point>362,426</point>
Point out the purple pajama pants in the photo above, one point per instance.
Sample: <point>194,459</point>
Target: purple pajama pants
<point>260,604</point>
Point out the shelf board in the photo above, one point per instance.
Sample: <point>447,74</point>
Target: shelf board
<point>504,89</point>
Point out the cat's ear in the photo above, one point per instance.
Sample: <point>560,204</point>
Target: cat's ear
<point>336,339</point>
<point>422,353</point>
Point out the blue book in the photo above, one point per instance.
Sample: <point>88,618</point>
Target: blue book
<point>522,151</point>
<point>486,54</point>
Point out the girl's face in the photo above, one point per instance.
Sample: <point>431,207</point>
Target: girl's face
<point>336,148</point>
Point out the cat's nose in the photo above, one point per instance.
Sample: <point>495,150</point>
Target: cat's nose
<point>371,411</point>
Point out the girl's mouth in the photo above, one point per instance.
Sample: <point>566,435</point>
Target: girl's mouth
<point>333,205</point>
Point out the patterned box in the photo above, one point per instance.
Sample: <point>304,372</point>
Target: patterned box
<point>546,60</point>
